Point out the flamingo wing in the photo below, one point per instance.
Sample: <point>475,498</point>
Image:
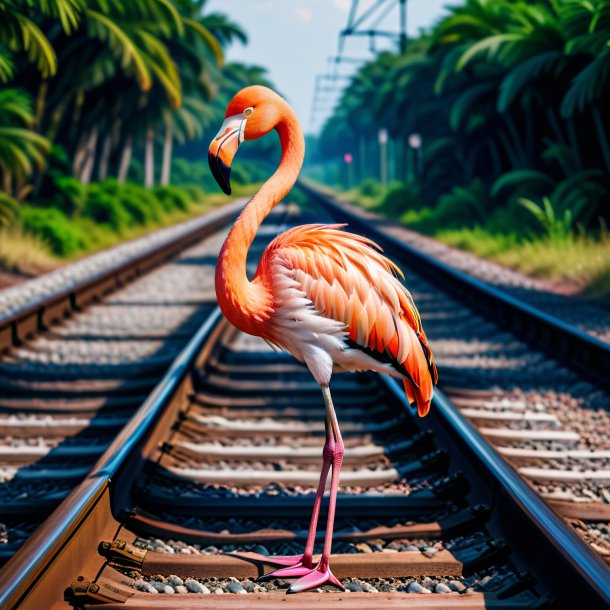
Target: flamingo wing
<point>350,281</point>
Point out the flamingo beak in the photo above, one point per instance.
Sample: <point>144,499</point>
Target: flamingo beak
<point>223,148</point>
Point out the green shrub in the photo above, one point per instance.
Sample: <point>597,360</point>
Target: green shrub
<point>190,172</point>
<point>54,228</point>
<point>195,193</point>
<point>244,171</point>
<point>370,187</point>
<point>399,199</point>
<point>172,198</point>
<point>479,241</point>
<point>257,171</point>
<point>240,174</point>
<point>138,211</point>
<point>464,206</point>
<point>104,208</point>
<point>556,224</point>
<point>70,195</point>
<point>422,219</point>
<point>512,217</point>
<point>140,204</point>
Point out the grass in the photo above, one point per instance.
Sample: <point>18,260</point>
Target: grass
<point>580,259</point>
<point>25,254</point>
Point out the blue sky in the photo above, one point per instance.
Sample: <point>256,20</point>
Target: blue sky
<point>294,38</point>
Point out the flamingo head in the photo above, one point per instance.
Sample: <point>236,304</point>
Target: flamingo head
<point>252,113</point>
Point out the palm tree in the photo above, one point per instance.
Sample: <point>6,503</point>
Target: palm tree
<point>113,57</point>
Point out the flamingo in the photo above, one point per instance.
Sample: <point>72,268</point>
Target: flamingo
<point>328,297</point>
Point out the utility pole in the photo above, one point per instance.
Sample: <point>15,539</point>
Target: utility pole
<point>403,26</point>
<point>382,137</point>
<point>362,157</point>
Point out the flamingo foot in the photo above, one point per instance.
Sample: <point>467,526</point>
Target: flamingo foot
<point>316,577</point>
<point>295,571</point>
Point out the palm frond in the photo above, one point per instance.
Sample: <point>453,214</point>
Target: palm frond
<point>68,12</point>
<point>121,44</point>
<point>20,33</point>
<point>587,85</point>
<point>527,72</point>
<point>207,37</point>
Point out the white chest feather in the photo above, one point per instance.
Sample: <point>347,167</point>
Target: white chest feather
<point>310,337</point>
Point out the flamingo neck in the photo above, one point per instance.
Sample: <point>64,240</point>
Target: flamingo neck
<point>246,304</point>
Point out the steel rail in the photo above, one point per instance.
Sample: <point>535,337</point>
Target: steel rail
<point>35,556</point>
<point>580,562</point>
<point>566,342</point>
<point>40,312</point>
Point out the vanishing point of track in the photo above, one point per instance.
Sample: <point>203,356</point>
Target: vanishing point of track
<point>220,460</point>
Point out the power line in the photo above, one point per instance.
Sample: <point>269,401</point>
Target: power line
<point>364,24</point>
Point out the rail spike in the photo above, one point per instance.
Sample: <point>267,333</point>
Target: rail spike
<point>84,591</point>
<point>122,553</point>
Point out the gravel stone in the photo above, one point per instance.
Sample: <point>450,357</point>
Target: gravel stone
<point>195,586</point>
<point>441,587</point>
<point>162,587</point>
<point>456,585</point>
<point>175,581</point>
<point>235,587</point>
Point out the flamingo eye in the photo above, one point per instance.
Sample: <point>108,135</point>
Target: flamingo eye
<point>248,112</point>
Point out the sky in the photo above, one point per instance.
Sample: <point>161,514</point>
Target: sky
<point>293,39</point>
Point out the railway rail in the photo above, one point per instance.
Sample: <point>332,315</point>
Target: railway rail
<point>219,461</point>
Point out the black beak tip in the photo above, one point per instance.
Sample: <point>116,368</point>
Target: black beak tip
<point>221,173</point>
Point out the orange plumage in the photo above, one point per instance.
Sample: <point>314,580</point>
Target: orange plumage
<point>347,279</point>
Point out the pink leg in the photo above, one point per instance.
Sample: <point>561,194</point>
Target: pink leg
<point>321,574</point>
<point>302,564</point>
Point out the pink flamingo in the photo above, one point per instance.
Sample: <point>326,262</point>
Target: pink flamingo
<point>328,297</point>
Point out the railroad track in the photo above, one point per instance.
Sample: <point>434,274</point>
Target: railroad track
<point>220,460</point>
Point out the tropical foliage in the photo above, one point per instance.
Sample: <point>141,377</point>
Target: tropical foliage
<point>510,99</point>
<point>96,93</point>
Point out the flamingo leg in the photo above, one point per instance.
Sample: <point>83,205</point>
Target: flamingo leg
<point>299,565</point>
<point>321,574</point>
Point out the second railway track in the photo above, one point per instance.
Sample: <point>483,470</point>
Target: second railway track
<point>536,387</point>
<point>221,458</point>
